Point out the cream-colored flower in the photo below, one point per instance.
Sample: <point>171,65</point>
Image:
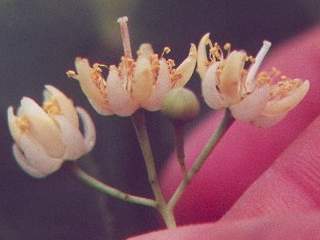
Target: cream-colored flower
<point>263,99</point>
<point>48,135</point>
<point>132,84</point>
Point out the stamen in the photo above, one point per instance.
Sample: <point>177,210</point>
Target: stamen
<point>71,74</point>
<point>98,80</point>
<point>227,47</point>
<point>166,50</point>
<point>263,78</point>
<point>216,52</point>
<point>125,36</point>
<point>98,66</point>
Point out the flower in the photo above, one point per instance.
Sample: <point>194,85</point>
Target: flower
<point>263,99</point>
<point>47,136</point>
<point>143,82</point>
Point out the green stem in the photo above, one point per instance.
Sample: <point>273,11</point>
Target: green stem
<point>138,120</point>
<point>200,160</point>
<point>110,191</point>
<point>179,142</point>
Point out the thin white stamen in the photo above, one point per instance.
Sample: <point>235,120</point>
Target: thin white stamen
<point>250,81</point>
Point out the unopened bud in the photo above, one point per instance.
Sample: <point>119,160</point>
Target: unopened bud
<point>180,104</point>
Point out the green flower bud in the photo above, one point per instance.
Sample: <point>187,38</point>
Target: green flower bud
<point>180,104</point>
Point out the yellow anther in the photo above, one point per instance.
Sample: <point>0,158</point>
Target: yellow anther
<point>166,50</point>
<point>263,78</point>
<point>227,46</point>
<point>71,74</point>
<point>23,124</point>
<point>98,66</point>
<point>51,107</point>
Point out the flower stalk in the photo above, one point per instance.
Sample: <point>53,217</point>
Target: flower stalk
<point>108,190</point>
<point>138,121</point>
<point>179,142</point>
<point>200,160</point>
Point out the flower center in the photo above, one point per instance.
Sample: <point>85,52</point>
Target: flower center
<point>281,84</point>
<point>155,66</point>
<point>282,88</point>
<point>51,107</point>
<point>126,71</point>
<point>23,123</point>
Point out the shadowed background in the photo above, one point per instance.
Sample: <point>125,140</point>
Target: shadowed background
<point>39,41</point>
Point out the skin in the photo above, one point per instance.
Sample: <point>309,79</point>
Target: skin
<point>281,203</point>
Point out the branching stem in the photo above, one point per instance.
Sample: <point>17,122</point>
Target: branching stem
<point>110,191</point>
<point>200,160</point>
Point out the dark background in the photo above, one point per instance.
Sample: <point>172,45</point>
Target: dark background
<point>38,43</point>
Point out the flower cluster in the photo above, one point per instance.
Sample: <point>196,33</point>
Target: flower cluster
<point>47,136</point>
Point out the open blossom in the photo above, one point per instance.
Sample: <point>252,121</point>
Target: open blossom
<point>263,99</point>
<point>47,136</point>
<point>132,84</point>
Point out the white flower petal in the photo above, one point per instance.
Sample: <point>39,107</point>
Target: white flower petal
<point>185,70</point>
<point>145,50</point>
<point>161,88</point>
<point>42,127</point>
<point>211,95</point>
<point>23,163</point>
<point>65,104</point>
<point>202,59</point>
<point>34,159</point>
<point>14,129</point>
<point>230,76</point>
<point>289,102</point>
<point>250,81</point>
<point>252,105</point>
<point>89,87</point>
<point>72,138</point>
<point>143,80</point>
<point>88,127</point>
<point>119,99</point>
